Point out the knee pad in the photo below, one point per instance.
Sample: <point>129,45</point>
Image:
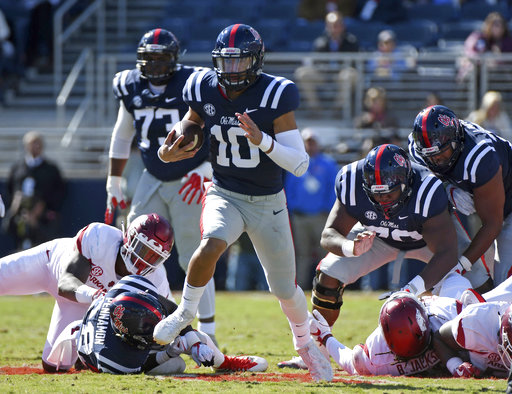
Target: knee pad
<point>320,292</point>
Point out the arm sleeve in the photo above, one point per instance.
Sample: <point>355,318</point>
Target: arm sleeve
<point>341,354</point>
<point>289,152</point>
<point>122,135</point>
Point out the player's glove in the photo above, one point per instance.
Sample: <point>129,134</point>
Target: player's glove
<point>319,328</point>
<point>460,199</point>
<point>202,354</point>
<point>193,183</point>
<point>114,197</point>
<point>463,265</point>
<point>177,347</point>
<point>466,370</point>
<point>2,208</point>
<point>416,286</point>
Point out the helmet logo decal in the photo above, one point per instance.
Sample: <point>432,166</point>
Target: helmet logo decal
<point>118,315</point>
<point>400,160</point>
<point>421,322</point>
<point>446,120</point>
<point>209,109</point>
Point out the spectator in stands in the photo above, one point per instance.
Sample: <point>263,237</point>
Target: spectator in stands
<point>386,11</point>
<point>310,198</point>
<point>244,268</point>
<point>492,116</point>
<point>317,9</point>
<point>389,62</point>
<point>312,78</point>
<point>493,37</point>
<point>35,195</point>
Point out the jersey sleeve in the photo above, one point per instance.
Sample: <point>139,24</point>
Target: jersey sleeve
<point>433,197</point>
<point>192,92</point>
<point>286,98</point>
<point>90,241</point>
<point>120,85</point>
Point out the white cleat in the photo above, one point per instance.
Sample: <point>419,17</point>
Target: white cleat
<point>319,367</point>
<point>168,329</point>
<point>295,362</point>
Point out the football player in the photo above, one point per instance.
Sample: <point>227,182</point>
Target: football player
<point>250,116</point>
<point>400,345</point>
<point>477,341</point>
<point>116,336</point>
<point>77,270</point>
<point>477,164</point>
<point>150,103</point>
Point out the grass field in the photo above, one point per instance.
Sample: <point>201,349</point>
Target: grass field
<point>247,323</point>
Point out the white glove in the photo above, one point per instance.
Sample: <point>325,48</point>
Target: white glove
<point>460,199</point>
<point>319,328</point>
<point>177,347</point>
<point>202,354</point>
<point>2,208</point>
<point>194,182</point>
<point>415,286</point>
<point>114,197</point>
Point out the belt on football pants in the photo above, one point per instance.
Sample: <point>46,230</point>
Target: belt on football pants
<point>245,196</point>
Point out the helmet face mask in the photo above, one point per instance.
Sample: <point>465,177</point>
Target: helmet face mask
<point>505,347</point>
<point>387,171</point>
<point>405,325</point>
<point>238,57</point>
<point>147,244</point>
<point>438,138</point>
<point>133,317</point>
<point>157,56</point>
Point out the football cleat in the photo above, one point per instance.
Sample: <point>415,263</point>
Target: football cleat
<point>243,363</point>
<point>295,362</point>
<point>319,367</point>
<point>169,328</point>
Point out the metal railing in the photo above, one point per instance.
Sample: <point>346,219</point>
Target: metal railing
<point>85,60</point>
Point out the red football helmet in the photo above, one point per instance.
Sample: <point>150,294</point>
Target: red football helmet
<point>505,347</point>
<point>147,244</point>
<point>405,325</point>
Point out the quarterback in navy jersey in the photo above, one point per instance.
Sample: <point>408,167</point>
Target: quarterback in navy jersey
<point>254,138</point>
<point>477,165</point>
<point>150,104</point>
<point>386,207</point>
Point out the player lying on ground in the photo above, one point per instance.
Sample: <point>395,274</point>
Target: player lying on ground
<point>116,336</point>
<point>76,270</point>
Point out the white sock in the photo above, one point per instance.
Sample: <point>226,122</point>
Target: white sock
<point>191,296</point>
<point>208,328</point>
<point>296,310</point>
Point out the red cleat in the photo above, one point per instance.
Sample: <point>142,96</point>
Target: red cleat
<point>243,363</point>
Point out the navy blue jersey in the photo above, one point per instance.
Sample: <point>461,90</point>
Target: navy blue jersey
<point>428,199</point>
<point>238,165</point>
<point>483,153</point>
<point>154,117</point>
<point>99,348</point>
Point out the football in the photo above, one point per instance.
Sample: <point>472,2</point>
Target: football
<point>192,132</point>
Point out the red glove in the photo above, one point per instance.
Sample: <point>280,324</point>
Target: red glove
<point>194,185</point>
<point>466,370</point>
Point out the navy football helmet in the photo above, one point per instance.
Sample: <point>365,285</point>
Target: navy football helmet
<point>436,129</point>
<point>238,57</point>
<point>387,168</point>
<point>157,56</point>
<point>147,243</point>
<point>133,317</point>
<point>405,325</point>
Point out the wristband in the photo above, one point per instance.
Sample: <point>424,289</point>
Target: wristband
<point>453,363</point>
<point>324,339</point>
<point>347,247</point>
<point>84,294</point>
<point>465,263</point>
<point>266,142</point>
<point>417,284</point>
